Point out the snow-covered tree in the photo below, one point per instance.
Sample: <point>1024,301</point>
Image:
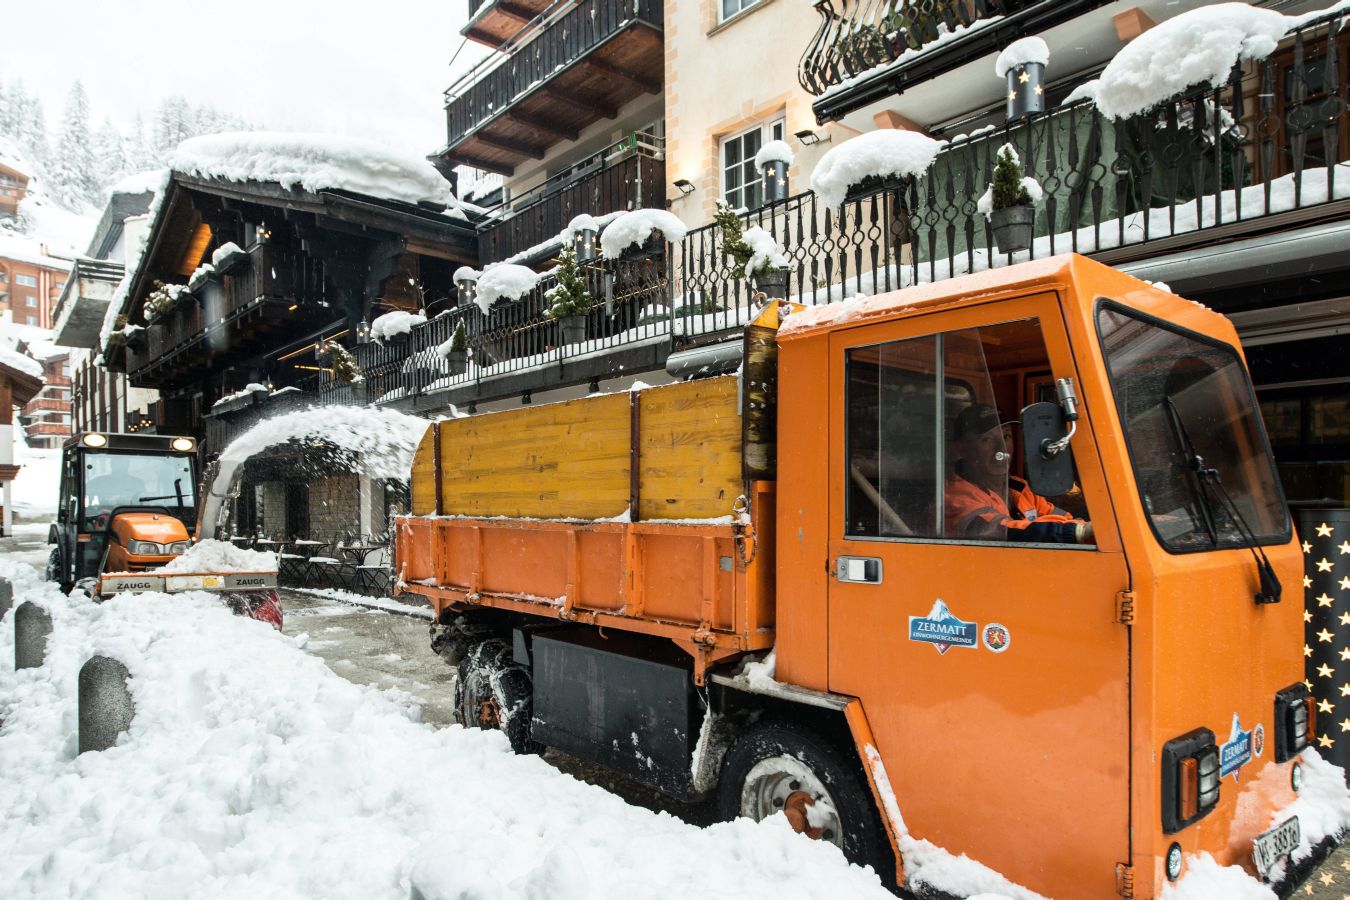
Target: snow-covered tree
<point>71,171</point>
<point>174,123</point>
<point>110,155</point>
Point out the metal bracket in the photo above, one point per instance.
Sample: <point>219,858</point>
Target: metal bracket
<point>1125,607</point>
<point>1125,880</point>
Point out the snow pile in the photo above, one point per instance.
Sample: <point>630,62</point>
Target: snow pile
<point>251,388</point>
<point>773,151</point>
<point>633,228</point>
<point>881,154</point>
<point>221,556</point>
<point>1021,52</point>
<point>224,252</point>
<point>582,222</point>
<point>199,276</point>
<point>392,324</point>
<point>145,182</point>
<point>465,273</point>
<point>1199,46</point>
<point>36,489</point>
<point>314,162</point>
<point>252,769</point>
<point>504,281</point>
<point>11,357</point>
<point>765,254</point>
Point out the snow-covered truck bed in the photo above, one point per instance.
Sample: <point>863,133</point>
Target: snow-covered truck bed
<point>622,510</point>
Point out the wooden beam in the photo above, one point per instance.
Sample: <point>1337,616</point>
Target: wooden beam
<point>510,146</point>
<point>511,11</point>
<point>645,84</point>
<point>558,131</point>
<point>598,107</point>
<point>460,158</point>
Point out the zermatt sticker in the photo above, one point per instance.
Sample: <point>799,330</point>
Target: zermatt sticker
<point>942,629</point>
<point>1236,752</point>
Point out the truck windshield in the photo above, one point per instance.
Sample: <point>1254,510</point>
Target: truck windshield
<point>1182,398</point>
<point>113,479</point>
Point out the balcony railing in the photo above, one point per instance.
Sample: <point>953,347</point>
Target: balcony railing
<point>1267,150</point>
<point>543,52</point>
<point>629,175</point>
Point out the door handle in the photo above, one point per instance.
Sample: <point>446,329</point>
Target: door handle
<point>858,569</point>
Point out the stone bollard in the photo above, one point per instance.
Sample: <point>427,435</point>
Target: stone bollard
<point>32,626</point>
<point>6,596</point>
<point>105,706</point>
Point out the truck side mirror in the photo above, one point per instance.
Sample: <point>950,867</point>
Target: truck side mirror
<point>1048,474</point>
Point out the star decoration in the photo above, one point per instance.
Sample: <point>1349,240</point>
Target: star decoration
<point>1012,95</point>
<point>1307,651</point>
<point>1023,79</point>
<point>1308,684</point>
<point>1345,618</point>
<point>1324,530</point>
<point>1345,689</point>
<point>1324,636</point>
<point>1344,547</point>
<point>1307,616</point>
<point>1345,584</point>
<point>1307,582</point>
<point>1324,671</point>
<point>1324,600</point>
<point>1324,565</point>
<point>1307,547</point>
<point>1324,706</point>
<point>1345,864</point>
<point>1039,90</point>
<point>1325,740</point>
<point>1326,878</point>
<point>1345,653</point>
<point>1345,724</point>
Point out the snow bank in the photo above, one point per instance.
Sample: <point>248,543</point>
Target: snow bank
<point>392,324</point>
<point>223,252</point>
<point>1021,52</point>
<point>633,228</point>
<point>582,222</point>
<point>144,182</point>
<point>251,769</point>
<point>221,556</point>
<point>773,151</point>
<point>35,490</point>
<point>1199,46</point>
<point>504,281</point>
<point>465,273</point>
<point>766,253</point>
<point>314,162</point>
<point>251,388</point>
<point>881,153</point>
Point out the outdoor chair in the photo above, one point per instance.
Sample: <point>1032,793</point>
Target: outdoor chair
<point>372,575</point>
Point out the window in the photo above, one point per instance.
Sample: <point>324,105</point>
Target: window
<point>60,286</point>
<point>31,320</point>
<point>740,178</point>
<point>65,368</point>
<point>931,439</point>
<point>30,300</point>
<point>25,280</point>
<point>730,8</point>
<point>4,277</point>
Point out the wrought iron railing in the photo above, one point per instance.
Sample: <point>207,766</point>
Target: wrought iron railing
<point>551,43</point>
<point>628,176</point>
<point>857,35</point>
<point>630,306</point>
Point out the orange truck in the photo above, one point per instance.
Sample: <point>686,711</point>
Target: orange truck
<point>1000,563</point>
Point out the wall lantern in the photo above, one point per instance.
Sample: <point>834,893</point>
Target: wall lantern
<point>685,185</point>
<point>807,137</point>
<point>363,332</point>
<point>466,285</point>
<point>774,179</point>
<point>586,244</point>
<point>1022,64</point>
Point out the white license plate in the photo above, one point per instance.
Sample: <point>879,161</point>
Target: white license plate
<point>1277,842</point>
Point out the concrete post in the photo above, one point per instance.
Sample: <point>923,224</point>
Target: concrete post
<point>32,625</point>
<point>6,596</point>
<point>105,707</point>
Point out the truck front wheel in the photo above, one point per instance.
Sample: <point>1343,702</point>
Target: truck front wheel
<point>493,692</point>
<point>780,767</point>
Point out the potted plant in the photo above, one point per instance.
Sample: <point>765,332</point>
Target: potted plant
<point>753,252</point>
<point>346,370</point>
<point>569,301</point>
<point>455,351</point>
<point>1010,203</point>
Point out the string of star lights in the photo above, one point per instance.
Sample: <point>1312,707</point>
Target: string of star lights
<point>1326,626</point>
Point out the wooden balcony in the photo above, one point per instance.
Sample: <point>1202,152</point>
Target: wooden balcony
<point>627,176</point>
<point>495,22</point>
<point>570,69</point>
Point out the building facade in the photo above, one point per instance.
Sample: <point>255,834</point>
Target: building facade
<point>30,282</point>
<point>13,188</point>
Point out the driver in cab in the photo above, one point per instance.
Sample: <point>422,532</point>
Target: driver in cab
<point>984,502</point>
<point>115,487</point>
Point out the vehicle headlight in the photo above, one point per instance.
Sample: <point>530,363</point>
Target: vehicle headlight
<point>1295,721</point>
<point>148,548</point>
<point>1190,779</point>
<point>178,548</point>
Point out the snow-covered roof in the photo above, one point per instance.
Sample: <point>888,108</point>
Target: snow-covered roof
<point>140,182</point>
<point>314,162</point>
<point>32,251</point>
<point>10,355</point>
<point>883,153</point>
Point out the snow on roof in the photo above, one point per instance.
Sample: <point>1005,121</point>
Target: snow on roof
<point>314,162</point>
<point>633,229</point>
<point>32,251</point>
<point>140,182</point>
<point>1199,46</point>
<point>21,362</point>
<point>1021,52</point>
<point>392,324</point>
<point>882,153</point>
<point>504,281</point>
<point>773,151</point>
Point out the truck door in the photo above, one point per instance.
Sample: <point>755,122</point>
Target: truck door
<point>983,645</point>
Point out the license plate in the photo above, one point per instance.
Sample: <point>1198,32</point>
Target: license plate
<point>1277,842</point>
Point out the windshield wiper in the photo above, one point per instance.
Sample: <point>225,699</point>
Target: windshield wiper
<point>1207,477</point>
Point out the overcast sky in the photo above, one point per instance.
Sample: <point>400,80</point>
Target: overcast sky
<point>371,69</point>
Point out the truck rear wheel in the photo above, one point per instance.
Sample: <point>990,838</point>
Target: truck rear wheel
<point>780,767</point>
<point>493,692</point>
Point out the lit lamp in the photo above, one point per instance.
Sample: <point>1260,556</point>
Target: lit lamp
<point>774,178</point>
<point>466,284</point>
<point>363,332</point>
<point>584,238</point>
<point>1022,64</point>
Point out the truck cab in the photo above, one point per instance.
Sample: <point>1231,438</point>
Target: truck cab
<point>127,503</point>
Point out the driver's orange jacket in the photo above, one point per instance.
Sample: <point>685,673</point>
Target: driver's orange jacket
<point>974,511</point>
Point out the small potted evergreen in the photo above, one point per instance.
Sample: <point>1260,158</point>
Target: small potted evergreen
<point>753,253</point>
<point>569,301</point>
<point>1010,203</point>
<point>455,351</point>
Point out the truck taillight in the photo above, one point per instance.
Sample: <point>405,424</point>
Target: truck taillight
<point>1190,779</point>
<point>1295,721</point>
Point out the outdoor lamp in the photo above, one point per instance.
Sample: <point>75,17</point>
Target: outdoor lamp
<point>685,185</point>
<point>1026,90</point>
<point>466,285</point>
<point>807,137</point>
<point>584,243</point>
<point>774,178</point>
<point>363,332</point>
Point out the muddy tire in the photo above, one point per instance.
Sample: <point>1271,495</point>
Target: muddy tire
<point>493,692</point>
<point>778,767</point>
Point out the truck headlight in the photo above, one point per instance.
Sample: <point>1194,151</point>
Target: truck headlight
<point>1295,721</point>
<point>146,548</point>
<point>1190,779</point>
<point>178,548</point>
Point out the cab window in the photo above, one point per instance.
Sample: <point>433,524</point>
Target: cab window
<point>933,449</point>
